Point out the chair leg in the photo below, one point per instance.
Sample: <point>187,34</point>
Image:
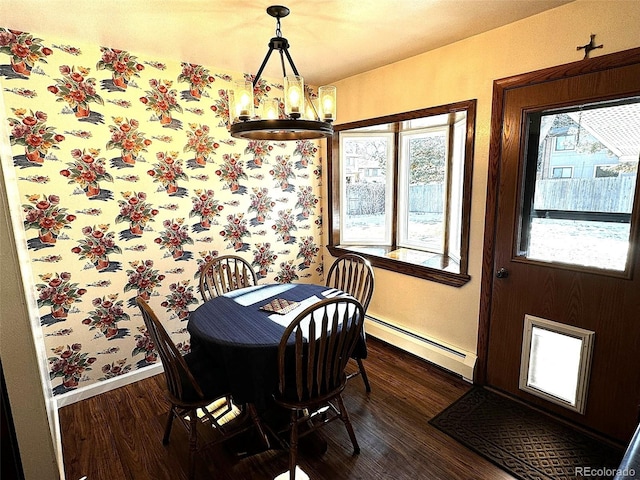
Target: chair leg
<point>193,442</point>
<point>293,445</point>
<point>258,423</point>
<point>167,429</point>
<point>363,372</point>
<point>344,416</point>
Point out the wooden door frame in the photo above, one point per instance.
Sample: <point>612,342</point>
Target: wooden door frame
<point>500,88</point>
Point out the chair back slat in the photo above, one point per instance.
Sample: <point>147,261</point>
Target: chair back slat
<point>353,274</point>
<point>321,339</point>
<point>176,370</point>
<point>224,274</point>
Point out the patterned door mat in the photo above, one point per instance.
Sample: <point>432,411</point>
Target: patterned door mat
<point>526,443</point>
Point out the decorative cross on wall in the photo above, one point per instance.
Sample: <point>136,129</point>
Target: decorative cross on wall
<point>589,46</point>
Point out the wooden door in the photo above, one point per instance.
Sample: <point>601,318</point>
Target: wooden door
<point>540,281</point>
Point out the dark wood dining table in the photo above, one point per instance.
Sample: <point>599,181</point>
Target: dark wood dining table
<point>233,335</point>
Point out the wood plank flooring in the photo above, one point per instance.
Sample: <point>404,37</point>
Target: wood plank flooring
<point>118,435</point>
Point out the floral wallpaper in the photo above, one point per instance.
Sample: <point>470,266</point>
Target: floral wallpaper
<point>129,183</point>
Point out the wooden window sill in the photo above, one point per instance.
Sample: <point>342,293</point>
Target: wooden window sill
<point>416,263</point>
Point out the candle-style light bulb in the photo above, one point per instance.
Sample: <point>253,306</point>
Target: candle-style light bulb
<point>272,109</point>
<point>294,95</point>
<point>327,96</point>
<point>294,99</point>
<point>244,99</point>
<point>244,102</point>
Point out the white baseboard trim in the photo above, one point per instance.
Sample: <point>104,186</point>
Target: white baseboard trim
<point>107,385</point>
<point>446,356</point>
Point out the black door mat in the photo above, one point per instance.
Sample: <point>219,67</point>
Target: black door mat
<point>524,442</point>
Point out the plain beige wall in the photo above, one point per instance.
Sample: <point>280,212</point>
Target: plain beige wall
<point>462,71</point>
<point>31,402</point>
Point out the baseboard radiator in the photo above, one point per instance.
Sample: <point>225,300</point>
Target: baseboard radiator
<point>446,356</point>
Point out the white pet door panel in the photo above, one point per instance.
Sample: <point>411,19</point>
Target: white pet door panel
<point>556,360</point>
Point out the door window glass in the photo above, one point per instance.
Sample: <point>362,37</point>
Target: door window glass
<point>578,199</point>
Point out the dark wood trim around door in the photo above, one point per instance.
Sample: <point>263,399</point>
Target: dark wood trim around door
<point>500,87</point>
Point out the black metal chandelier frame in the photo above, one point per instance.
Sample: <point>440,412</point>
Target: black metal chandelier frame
<point>293,127</point>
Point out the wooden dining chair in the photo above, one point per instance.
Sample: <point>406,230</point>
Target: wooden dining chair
<point>353,274</point>
<point>224,274</point>
<point>312,356</point>
<point>194,391</point>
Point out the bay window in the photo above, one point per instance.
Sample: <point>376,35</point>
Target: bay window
<point>401,191</point>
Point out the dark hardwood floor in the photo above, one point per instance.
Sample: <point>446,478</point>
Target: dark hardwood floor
<point>118,435</point>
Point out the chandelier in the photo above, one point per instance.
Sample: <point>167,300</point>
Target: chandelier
<point>302,119</point>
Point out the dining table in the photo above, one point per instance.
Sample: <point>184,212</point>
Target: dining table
<point>238,335</point>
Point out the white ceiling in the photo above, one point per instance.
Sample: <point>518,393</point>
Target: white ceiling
<point>329,39</point>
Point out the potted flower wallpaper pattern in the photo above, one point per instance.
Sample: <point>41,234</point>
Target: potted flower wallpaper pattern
<point>129,182</point>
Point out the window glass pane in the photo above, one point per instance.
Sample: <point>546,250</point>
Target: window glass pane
<point>457,189</point>
<point>423,161</point>
<point>580,200</point>
<point>366,188</point>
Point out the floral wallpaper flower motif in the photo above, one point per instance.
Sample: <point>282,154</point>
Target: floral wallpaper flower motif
<point>206,207</point>
<point>126,137</point>
<point>87,171</point>
<point>235,231</point>
<point>70,363</point>
<point>221,108</point>
<point>135,210</point>
<point>306,201</point>
<point>143,278</point>
<point>263,259</point>
<point>205,257</point>
<point>262,204</point>
<point>198,78</point>
<point>122,64</point>
<point>260,90</point>
<point>232,171</point>
<point>179,298</point>
<point>115,369</point>
<point>59,293</point>
<point>23,49</point>
<point>146,188</point>
<point>260,149</point>
<point>76,89</point>
<point>96,246</point>
<point>162,100</point>
<point>201,143</point>
<point>107,312</point>
<point>284,225</point>
<point>287,273</point>
<point>174,237</point>
<point>167,171</point>
<point>144,346</point>
<point>31,131</point>
<point>307,252</point>
<point>307,151</point>
<point>282,171</point>
<point>47,216</point>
